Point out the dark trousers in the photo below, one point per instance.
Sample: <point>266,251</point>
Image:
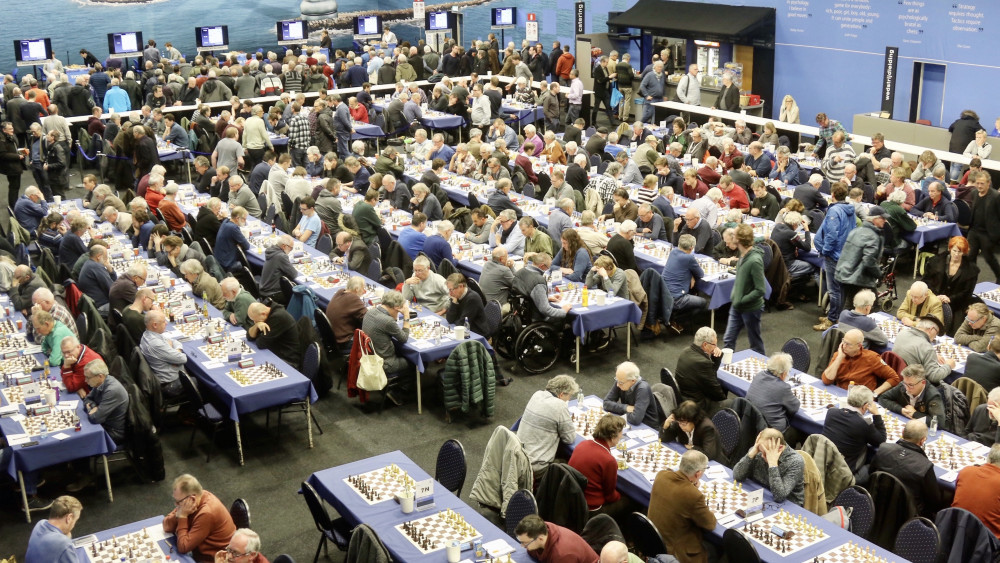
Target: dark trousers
<point>13,188</point>
<point>980,240</point>
<point>254,157</point>
<point>343,144</point>
<point>298,156</point>
<point>42,180</point>
<point>605,99</point>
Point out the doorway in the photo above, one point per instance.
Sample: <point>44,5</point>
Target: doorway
<point>927,93</point>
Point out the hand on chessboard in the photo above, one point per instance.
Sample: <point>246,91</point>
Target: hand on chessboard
<point>948,361</point>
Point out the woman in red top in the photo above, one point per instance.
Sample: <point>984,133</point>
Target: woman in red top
<point>358,111</point>
<point>594,460</point>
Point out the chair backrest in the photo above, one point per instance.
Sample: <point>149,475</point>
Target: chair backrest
<point>324,244</point>
<point>320,516</point>
<point>310,361</point>
<point>643,536</point>
<point>248,282</point>
<point>446,268</point>
<point>667,378</point>
<point>283,558</point>
<point>521,504</point>
<point>599,530</point>
<point>738,547</point>
<point>375,269</point>
<point>375,250</point>
<point>893,360</point>
<point>964,212</point>
<point>798,349</point>
<point>727,423</point>
<point>893,507</point>
<point>191,388</point>
<point>974,393</point>
<point>82,328</point>
<point>964,537</point>
<point>451,466</point>
<point>918,541</point>
<point>364,540</point>
<point>494,315</point>
<point>240,513</point>
<point>862,509</point>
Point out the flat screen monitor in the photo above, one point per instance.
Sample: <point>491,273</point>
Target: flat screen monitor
<point>125,44</point>
<point>437,21</point>
<point>368,25</point>
<point>292,31</point>
<point>504,16</point>
<point>213,37</point>
<point>32,51</point>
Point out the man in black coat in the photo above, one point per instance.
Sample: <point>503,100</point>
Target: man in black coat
<point>602,91</point>
<point>697,372</point>
<point>984,230</point>
<point>574,132</point>
<point>622,248</point>
<point>982,426</point>
<point>576,176</point>
<point>207,222</point>
<point>907,461</point>
<point>146,154</point>
<point>554,55</point>
<point>275,330</point>
<point>984,368</point>
<point>466,304</point>
<point>596,144</point>
<point>11,162</point>
<point>848,429</point>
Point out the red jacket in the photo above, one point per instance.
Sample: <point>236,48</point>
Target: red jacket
<point>565,64</point>
<point>564,546</point>
<point>359,113</point>
<point>73,377</point>
<point>978,491</point>
<point>594,460</point>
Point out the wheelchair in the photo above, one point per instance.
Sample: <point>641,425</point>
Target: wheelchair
<point>527,337</point>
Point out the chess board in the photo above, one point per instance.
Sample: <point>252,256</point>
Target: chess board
<point>15,393</point>
<point>660,251</point>
<point>196,329</point>
<point>121,265</point>
<point>723,497</point>
<point>652,458</point>
<point>803,536</point>
<point>430,330</point>
<point>19,365</point>
<point>315,266</point>
<point>762,228</point>
<point>924,222</point>
<point>850,553</point>
<point>891,328</point>
<point>256,374</point>
<point>893,427</point>
<point>815,398</point>
<point>991,295</point>
<point>7,327</point>
<point>137,546</point>
<point>715,269</point>
<point>381,484</point>
<point>55,421</point>
<point>948,455</point>
<point>263,242</point>
<point>586,422</point>
<point>13,343</point>
<point>328,282</point>
<point>746,368</point>
<point>220,352</point>
<point>952,351</point>
<point>434,532</point>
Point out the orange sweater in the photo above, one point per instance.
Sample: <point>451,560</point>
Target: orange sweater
<point>203,532</point>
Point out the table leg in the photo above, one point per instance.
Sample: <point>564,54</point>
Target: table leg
<point>916,256</point>
<point>711,323</point>
<point>309,421</point>
<point>819,298</point>
<point>420,404</point>
<point>577,354</point>
<point>239,440</point>
<point>628,341</point>
<point>24,497</point>
<point>107,479</point>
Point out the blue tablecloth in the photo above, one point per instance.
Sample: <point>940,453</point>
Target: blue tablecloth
<point>637,487</point>
<point>524,115</point>
<point>925,234</point>
<point>983,287</point>
<point>165,544</point>
<point>383,516</point>
<point>366,131</point>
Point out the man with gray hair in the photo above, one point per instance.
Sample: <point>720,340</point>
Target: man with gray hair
<point>982,426</point>
<point>42,299</point>
<point>202,283</point>
<point>915,345</point>
<point>697,371</point>
<point>238,301</point>
<point>244,546</point>
<point>773,464</point>
<point>852,364</point>
<point>772,395</point>
<point>122,292</point>
<point>792,237</point>
<point>241,195</point>
<point>851,432</point>
<point>107,402</point>
<point>973,482</point>
<point>858,318</point>
<point>680,278</point>
<point>165,356</point>
<point>678,509</point>
<point>546,422</point>
<point>507,234</point>
<point>561,218</point>
<point>907,461</point>
<point>920,301</point>
<point>380,325</point>
<point>530,281</point>
<point>96,277</point>
<point>426,287</point>
<point>497,278</point>
<point>631,396</point>
<point>915,398</point>
<point>277,265</point>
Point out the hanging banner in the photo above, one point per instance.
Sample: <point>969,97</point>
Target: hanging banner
<point>580,13</point>
<point>889,80</point>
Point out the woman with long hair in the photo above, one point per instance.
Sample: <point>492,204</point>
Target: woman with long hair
<point>572,245</point>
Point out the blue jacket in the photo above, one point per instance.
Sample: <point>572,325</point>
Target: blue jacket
<point>832,234</point>
<point>116,100</point>
<point>29,214</point>
<point>226,241</point>
<point>790,176</point>
<point>412,241</point>
<point>437,248</point>
<point>679,270</point>
<point>48,544</point>
<point>761,164</point>
<point>653,86</point>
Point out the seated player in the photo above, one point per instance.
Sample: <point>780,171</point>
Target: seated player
<point>381,327</point>
<point>546,422</point>
<point>466,305</point>
<point>978,329</point>
<point>413,238</point>
<point>134,316</point>
<point>982,426</point>
<point>244,546</point>
<point>530,281</point>
<point>690,426</point>
<point>919,302</point>
<point>593,459</point>
<point>851,363</point>
<point>200,522</point>
<point>915,398</point>
<point>697,371</point>
<point>915,345</point>
<point>768,452</point>
<point>617,552</point>
<point>76,356</point>
<point>632,397</point>
<point>277,264</point>
<point>107,402</point>
<point>972,482</point>
<point>346,312</point>
<point>427,288</point>
<point>858,318</point>
<point>202,283</point>
<point>53,332</point>
<point>772,395</point>
<point>165,356</point>
<point>677,508</point>
<point>50,539</point>
<point>547,542</point>
<point>238,301</point>
<point>275,330</point>
<point>848,429</point>
<point>907,461</point>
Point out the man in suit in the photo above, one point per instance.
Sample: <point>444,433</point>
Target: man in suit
<point>697,371</point>
<point>907,461</point>
<point>915,397</point>
<point>465,305</point>
<point>574,132</point>
<point>602,91</point>
<point>984,229</point>
<point>809,193</point>
<point>576,173</point>
<point>848,429</point>
<point>677,508</point>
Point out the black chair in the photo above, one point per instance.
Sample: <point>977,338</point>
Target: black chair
<point>643,536</point>
<point>474,201</point>
<point>918,541</point>
<point>451,466</point>
<point>473,285</point>
<point>798,349</point>
<point>310,369</point>
<point>375,250</point>
<point>324,244</point>
<point>206,412</point>
<point>82,328</point>
<point>241,257</point>
<point>283,558</point>
<point>186,235</point>
<point>375,270</point>
<point>667,378</point>
<point>949,316</point>
<point>240,513</point>
<point>287,288</point>
<point>738,547</point>
<point>863,509</point>
<point>521,504</point>
<point>286,204</point>
<point>727,422</point>
<point>494,315</point>
<point>964,214</point>
<point>446,268</point>
<point>329,342</point>
<point>337,531</point>
<point>249,283</point>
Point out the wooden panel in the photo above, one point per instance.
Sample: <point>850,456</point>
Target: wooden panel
<point>744,54</point>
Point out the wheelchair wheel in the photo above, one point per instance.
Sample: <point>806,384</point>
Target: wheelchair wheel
<point>506,338</point>
<point>537,348</point>
<point>886,305</point>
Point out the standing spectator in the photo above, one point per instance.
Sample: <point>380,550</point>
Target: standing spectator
<point>748,293</point>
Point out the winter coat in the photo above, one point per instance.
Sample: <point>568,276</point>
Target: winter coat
<point>468,379</point>
<point>505,469</point>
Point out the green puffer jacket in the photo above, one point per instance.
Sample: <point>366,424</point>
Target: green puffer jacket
<point>468,378</point>
<point>748,291</point>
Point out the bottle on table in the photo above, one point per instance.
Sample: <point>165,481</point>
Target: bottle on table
<point>933,427</point>
<point>467,329</point>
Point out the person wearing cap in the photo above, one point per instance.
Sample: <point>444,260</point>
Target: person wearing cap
<point>596,144</point>
<point>858,266</point>
<point>915,345</point>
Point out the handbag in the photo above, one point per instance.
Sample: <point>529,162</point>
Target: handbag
<point>676,97</point>
<point>616,97</point>
<point>371,375</point>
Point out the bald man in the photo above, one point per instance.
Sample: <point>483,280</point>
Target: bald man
<point>275,330</point>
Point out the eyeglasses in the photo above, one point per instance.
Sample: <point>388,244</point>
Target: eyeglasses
<point>972,322</point>
<point>912,385</point>
<point>232,554</point>
<point>525,544</point>
<point>178,502</point>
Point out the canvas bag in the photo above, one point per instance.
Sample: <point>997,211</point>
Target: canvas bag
<point>371,375</point>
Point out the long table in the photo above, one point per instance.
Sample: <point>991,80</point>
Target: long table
<point>811,420</point>
<point>985,292</point>
<point>384,516</point>
<point>154,528</point>
<point>636,485</point>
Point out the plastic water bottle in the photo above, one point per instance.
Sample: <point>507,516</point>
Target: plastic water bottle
<point>43,431</point>
<point>932,429</point>
<point>467,329</point>
<point>579,398</point>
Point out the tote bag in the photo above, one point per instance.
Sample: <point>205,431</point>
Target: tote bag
<point>371,375</point>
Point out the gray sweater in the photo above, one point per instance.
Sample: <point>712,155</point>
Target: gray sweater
<point>111,401</point>
<point>786,481</point>
<point>545,423</point>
